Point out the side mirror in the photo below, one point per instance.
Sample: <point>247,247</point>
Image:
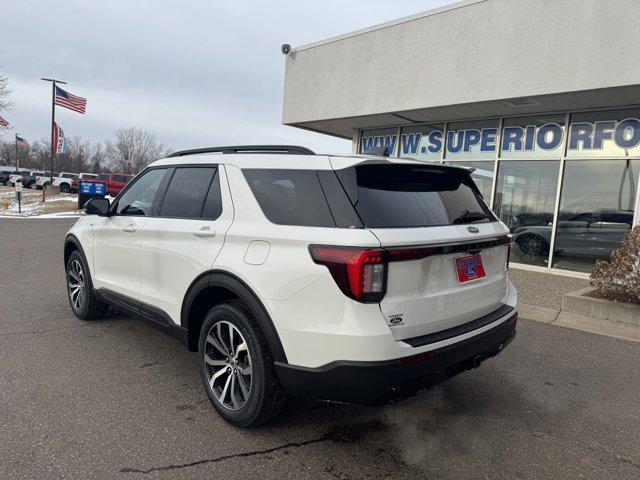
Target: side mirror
<point>97,206</point>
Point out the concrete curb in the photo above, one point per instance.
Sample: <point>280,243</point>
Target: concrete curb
<point>585,323</point>
<point>577,303</point>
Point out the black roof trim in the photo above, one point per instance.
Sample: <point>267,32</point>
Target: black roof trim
<point>283,149</point>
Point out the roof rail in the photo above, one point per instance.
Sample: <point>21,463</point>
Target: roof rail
<point>284,149</point>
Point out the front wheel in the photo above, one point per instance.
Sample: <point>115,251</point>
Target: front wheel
<point>236,367</point>
<point>83,302</point>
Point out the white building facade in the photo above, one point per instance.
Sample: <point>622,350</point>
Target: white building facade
<point>540,97</point>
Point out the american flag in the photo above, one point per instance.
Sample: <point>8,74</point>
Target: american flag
<point>3,122</point>
<point>21,142</point>
<point>65,99</point>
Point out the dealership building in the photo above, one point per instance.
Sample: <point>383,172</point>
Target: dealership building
<point>541,98</point>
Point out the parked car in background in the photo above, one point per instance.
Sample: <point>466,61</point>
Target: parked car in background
<point>116,182</point>
<point>64,180</point>
<point>5,172</point>
<point>30,180</point>
<point>20,174</point>
<point>75,183</point>
<point>44,179</point>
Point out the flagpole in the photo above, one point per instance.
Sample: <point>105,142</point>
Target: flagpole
<point>17,161</point>
<point>53,120</point>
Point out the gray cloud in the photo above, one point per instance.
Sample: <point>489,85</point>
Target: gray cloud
<point>195,73</point>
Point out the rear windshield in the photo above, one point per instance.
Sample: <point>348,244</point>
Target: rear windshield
<point>400,196</point>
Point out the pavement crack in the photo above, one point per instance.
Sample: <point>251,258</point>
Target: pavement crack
<point>38,332</point>
<point>222,458</point>
<point>349,433</point>
<point>615,456</point>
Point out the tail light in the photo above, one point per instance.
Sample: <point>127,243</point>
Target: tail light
<point>360,273</point>
<point>37,179</point>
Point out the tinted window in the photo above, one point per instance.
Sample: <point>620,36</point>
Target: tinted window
<point>187,192</point>
<point>104,176</point>
<point>68,175</point>
<point>213,203</point>
<point>138,199</point>
<point>121,178</point>
<point>290,197</point>
<point>397,196</point>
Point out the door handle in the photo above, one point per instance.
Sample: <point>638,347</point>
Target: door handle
<point>129,228</point>
<point>206,232</point>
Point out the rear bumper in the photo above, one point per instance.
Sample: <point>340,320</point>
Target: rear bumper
<point>380,382</point>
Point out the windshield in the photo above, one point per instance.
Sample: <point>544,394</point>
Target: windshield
<point>402,196</point>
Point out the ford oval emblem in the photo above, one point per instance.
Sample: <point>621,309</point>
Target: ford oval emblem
<point>473,229</point>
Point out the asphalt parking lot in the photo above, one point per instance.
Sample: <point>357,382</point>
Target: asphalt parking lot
<point>117,399</point>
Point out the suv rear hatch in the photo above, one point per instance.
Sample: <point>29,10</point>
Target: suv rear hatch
<point>447,251</point>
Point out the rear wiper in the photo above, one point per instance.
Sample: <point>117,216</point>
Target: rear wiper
<point>469,217</point>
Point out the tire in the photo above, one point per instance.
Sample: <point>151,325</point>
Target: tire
<point>531,244</point>
<point>247,400</point>
<point>64,188</point>
<point>83,303</point>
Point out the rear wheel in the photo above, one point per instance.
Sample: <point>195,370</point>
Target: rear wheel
<point>65,188</point>
<point>82,300</point>
<point>236,367</point>
<point>532,245</point>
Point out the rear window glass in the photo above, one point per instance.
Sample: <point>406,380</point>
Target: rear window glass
<point>290,197</point>
<point>399,196</point>
<point>121,178</point>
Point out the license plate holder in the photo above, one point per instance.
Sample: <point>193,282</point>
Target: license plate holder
<point>470,268</point>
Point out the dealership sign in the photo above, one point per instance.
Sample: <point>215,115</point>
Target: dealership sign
<point>548,139</point>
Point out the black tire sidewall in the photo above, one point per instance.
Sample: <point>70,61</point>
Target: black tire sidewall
<point>250,410</point>
<point>83,313</point>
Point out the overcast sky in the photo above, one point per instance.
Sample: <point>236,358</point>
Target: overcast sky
<point>195,73</point>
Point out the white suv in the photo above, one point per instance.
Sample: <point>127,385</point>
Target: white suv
<point>345,278</point>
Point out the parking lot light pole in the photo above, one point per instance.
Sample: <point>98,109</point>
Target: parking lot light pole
<point>53,120</point>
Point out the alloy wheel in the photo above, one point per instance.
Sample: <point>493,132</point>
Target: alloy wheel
<point>228,365</point>
<point>75,285</point>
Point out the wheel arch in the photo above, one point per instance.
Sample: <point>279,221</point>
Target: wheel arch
<point>214,287</point>
<point>72,243</point>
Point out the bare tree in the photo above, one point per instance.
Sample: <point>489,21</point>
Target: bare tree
<point>5,98</point>
<point>133,149</point>
<point>5,93</point>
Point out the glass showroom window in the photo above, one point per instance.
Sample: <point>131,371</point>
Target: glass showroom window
<point>610,133</point>
<point>596,210</point>
<point>471,140</point>
<point>380,137</point>
<point>525,200</point>
<point>542,136</point>
<point>482,175</point>
<point>422,142</point>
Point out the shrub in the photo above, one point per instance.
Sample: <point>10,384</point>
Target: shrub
<point>619,278</point>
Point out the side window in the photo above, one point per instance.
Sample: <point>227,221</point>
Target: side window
<point>290,197</point>
<point>213,204</point>
<point>138,199</point>
<point>188,189</point>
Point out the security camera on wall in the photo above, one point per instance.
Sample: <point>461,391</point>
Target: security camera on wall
<point>285,49</point>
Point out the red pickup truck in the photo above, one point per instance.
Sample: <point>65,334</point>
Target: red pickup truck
<point>115,182</point>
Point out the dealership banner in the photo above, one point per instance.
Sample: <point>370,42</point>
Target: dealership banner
<point>59,141</point>
<point>600,138</point>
